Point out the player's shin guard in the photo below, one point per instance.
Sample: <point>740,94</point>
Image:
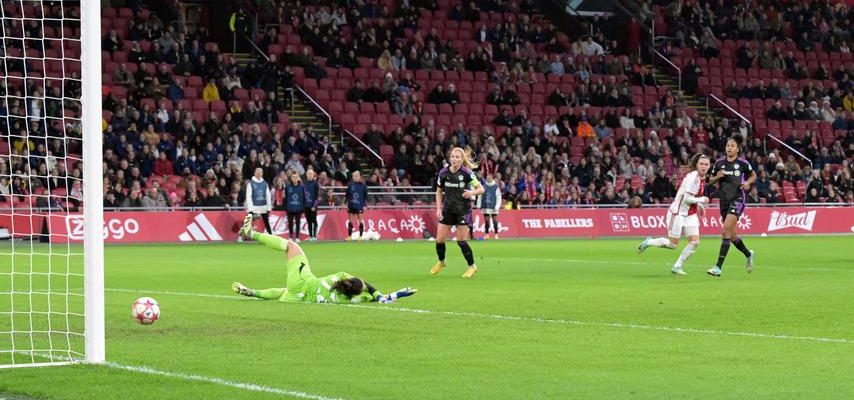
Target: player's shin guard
<point>271,241</point>
<point>722,254</point>
<point>686,252</point>
<point>440,251</point>
<point>466,249</point>
<point>739,244</point>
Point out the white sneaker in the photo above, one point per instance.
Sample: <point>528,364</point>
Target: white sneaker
<point>678,271</point>
<point>643,246</point>
<point>297,240</point>
<point>749,265</point>
<point>714,271</point>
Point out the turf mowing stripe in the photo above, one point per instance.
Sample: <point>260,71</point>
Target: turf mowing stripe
<point>607,324</point>
<point>539,320</point>
<point>207,379</point>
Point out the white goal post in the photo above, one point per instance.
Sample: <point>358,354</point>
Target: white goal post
<point>51,282</point>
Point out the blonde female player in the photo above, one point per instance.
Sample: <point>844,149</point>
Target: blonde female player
<point>682,214</point>
<point>456,186</point>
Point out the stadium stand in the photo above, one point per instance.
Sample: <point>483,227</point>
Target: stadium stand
<point>561,120</point>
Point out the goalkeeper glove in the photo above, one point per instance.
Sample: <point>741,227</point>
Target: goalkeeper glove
<point>405,292</point>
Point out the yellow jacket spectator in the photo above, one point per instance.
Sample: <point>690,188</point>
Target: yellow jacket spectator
<point>848,101</point>
<point>210,92</point>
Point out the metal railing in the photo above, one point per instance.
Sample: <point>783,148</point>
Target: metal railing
<point>792,149</point>
<point>667,60</point>
<point>398,205</point>
<point>738,114</point>
<point>319,108</point>
<point>255,46</point>
<point>363,144</point>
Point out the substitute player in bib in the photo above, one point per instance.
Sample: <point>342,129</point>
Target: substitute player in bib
<point>682,216</point>
<point>303,286</point>
<point>490,203</point>
<point>734,176</point>
<point>357,197</point>
<point>453,203</point>
<point>295,199</point>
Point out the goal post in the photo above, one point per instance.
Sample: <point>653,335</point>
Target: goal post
<point>51,178</point>
<point>93,193</point>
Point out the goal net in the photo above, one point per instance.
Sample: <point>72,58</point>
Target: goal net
<point>51,281</point>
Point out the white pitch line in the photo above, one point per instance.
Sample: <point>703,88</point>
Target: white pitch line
<point>197,378</point>
<point>214,296</point>
<point>542,320</point>
<point>222,382</point>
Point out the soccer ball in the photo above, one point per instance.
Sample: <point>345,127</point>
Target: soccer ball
<point>145,310</point>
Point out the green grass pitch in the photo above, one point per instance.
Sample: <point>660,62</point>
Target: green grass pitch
<point>557,319</point>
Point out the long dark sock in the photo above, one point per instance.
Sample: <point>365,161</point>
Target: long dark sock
<point>466,249</point>
<point>440,251</point>
<point>739,244</point>
<point>349,229</point>
<point>722,254</point>
<point>361,228</point>
<point>495,224</point>
<point>266,218</point>
<point>487,221</point>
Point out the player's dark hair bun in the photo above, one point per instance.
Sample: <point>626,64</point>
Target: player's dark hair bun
<point>738,139</point>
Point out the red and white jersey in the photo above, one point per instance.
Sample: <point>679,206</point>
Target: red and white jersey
<point>691,186</point>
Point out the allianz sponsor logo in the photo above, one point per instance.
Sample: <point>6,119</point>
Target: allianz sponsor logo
<point>782,220</point>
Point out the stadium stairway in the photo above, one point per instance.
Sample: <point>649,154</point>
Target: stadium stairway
<point>301,111</point>
<point>691,100</point>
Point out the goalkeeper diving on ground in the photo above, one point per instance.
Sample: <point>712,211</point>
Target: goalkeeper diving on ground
<point>303,286</point>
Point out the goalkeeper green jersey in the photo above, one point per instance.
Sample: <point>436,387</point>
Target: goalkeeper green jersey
<point>304,286</point>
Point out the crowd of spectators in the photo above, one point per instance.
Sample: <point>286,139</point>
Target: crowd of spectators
<point>162,150</point>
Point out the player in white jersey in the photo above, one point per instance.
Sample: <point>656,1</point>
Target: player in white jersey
<point>682,216</point>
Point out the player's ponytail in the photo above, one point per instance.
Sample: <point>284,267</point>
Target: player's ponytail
<point>467,158</point>
<point>692,163</point>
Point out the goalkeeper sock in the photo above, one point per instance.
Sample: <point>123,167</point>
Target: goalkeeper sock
<point>662,242</point>
<point>467,253</point>
<point>270,294</point>
<point>722,253</point>
<point>739,244</point>
<point>271,241</point>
